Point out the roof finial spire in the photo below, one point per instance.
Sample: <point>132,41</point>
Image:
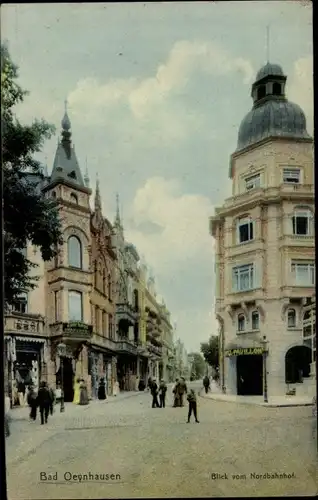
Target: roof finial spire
<point>86,177</point>
<point>66,124</point>
<point>267,42</point>
<point>117,218</point>
<point>98,203</point>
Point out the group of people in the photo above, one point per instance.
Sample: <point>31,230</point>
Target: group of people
<point>179,391</point>
<point>44,400</point>
<point>80,392</point>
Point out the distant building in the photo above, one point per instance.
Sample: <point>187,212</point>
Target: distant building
<point>265,250</point>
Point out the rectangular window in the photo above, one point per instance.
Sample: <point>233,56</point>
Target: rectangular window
<point>56,305</point>
<point>245,230</point>
<point>291,175</point>
<point>110,326</point>
<point>253,182</point>
<point>104,323</point>
<point>301,223</point>
<point>21,304</point>
<point>97,320</point>
<point>303,273</point>
<point>75,306</point>
<point>243,278</point>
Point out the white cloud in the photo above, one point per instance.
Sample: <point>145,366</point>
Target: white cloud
<point>183,218</point>
<point>147,101</point>
<point>300,88</point>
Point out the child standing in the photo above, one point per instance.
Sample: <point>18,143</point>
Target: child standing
<point>192,399</point>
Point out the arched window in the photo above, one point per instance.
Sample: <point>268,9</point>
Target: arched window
<point>255,320</point>
<point>53,194</point>
<point>277,89</point>
<point>245,230</point>
<point>75,306</point>
<point>302,223</point>
<point>291,318</point>
<point>261,92</point>
<point>241,323</point>
<point>74,198</point>
<point>74,252</point>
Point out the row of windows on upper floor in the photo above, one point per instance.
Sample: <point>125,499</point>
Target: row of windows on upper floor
<point>247,276</point>
<point>289,175</point>
<point>291,320</point>
<point>302,224</point>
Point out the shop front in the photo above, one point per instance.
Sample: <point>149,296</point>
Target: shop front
<point>245,364</point>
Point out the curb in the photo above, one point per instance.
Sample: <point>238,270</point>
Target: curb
<point>264,405</point>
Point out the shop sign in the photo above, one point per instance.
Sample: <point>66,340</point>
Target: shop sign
<point>77,328</point>
<point>244,351</point>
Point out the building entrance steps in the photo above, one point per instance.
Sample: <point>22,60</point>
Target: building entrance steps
<point>273,401</point>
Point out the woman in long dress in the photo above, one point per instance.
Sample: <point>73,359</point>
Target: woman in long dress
<point>77,394</point>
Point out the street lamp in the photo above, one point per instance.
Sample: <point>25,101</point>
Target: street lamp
<point>61,349</point>
<point>264,343</point>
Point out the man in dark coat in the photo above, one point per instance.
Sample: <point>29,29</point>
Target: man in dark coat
<point>162,394</point>
<point>154,393</point>
<point>175,390</point>
<point>182,390</point>
<point>52,400</point>
<point>44,401</point>
<point>192,399</point>
<point>32,402</point>
<point>206,384</point>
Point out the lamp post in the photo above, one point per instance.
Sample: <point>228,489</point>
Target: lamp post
<point>61,349</point>
<point>264,343</point>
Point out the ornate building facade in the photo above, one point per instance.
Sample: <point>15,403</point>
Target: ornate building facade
<point>265,257</point>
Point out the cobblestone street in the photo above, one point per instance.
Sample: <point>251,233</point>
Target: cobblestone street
<point>156,453</point>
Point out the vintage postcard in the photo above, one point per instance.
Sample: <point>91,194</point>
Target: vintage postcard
<point>159,250</point>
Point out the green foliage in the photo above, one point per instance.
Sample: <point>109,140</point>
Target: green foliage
<point>210,351</point>
<point>29,217</point>
<point>198,366</point>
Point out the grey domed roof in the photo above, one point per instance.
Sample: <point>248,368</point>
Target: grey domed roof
<point>66,123</point>
<point>269,70</point>
<point>278,118</point>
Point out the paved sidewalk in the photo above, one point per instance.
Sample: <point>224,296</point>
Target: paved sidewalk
<point>274,401</point>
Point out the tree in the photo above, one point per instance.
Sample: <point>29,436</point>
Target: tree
<point>210,351</point>
<point>198,366</point>
<point>29,217</point>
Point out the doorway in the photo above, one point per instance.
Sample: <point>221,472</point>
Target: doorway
<point>249,375</point>
<point>297,364</point>
<point>68,379</point>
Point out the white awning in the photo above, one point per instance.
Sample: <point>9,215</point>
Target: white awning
<point>30,339</point>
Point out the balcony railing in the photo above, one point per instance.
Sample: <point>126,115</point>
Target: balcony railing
<point>73,330</point>
<point>24,323</point>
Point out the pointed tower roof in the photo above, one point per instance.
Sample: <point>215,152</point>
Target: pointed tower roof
<point>98,202</point>
<point>117,222</point>
<point>65,166</point>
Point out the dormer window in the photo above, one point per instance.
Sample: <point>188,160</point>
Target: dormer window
<point>72,174</point>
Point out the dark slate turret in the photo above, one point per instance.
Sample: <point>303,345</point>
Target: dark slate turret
<point>65,166</point>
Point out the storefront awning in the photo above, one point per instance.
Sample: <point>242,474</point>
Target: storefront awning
<point>30,339</point>
<point>244,351</point>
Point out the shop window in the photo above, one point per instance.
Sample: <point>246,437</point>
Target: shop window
<point>291,318</point>
<point>255,320</point>
<point>241,323</point>
<point>74,252</point>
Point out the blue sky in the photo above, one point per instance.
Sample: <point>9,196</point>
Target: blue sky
<point>156,94</point>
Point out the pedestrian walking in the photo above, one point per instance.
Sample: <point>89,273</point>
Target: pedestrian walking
<point>76,398</point>
<point>175,390</point>
<point>206,384</point>
<point>43,401</point>
<point>154,393</point>
<point>102,390</point>
<point>21,392</point>
<point>83,393</point>
<point>192,400</point>
<point>52,400</point>
<point>32,402</point>
<point>7,417</point>
<point>182,390</point>
<point>162,393</point>
<point>149,383</point>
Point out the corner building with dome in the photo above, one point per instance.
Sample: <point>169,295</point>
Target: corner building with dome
<point>265,250</point>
